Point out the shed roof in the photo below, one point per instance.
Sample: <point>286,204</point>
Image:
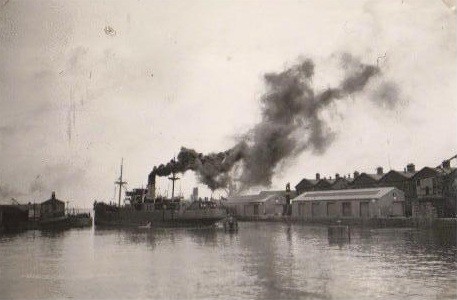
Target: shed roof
<point>353,194</point>
<point>261,197</point>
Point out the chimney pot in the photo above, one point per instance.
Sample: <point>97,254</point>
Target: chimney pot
<point>53,195</point>
<point>446,164</point>
<point>410,168</point>
<point>318,176</point>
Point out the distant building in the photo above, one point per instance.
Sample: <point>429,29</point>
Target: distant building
<point>430,192</point>
<point>366,180</point>
<point>435,190</point>
<point>341,183</point>
<point>34,211</point>
<point>52,208</point>
<point>194,194</point>
<point>12,217</point>
<point>350,203</point>
<point>402,181</point>
<point>324,184</point>
<point>267,203</point>
<point>307,184</point>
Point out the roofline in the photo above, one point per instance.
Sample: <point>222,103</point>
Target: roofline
<point>345,192</point>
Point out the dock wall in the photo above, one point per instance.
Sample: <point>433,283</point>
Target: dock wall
<point>444,223</point>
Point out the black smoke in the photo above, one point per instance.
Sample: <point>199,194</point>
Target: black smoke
<point>291,123</point>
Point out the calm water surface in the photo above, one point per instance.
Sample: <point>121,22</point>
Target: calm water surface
<point>261,261</point>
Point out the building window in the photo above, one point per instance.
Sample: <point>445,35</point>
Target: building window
<point>418,182</point>
<point>347,212</point>
<point>364,209</point>
<point>256,209</point>
<point>427,190</point>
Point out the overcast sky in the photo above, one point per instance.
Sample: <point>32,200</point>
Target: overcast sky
<point>85,83</point>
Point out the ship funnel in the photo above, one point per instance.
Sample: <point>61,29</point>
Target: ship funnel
<point>152,185</point>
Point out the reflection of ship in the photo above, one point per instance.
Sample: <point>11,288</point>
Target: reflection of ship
<point>339,234</point>
<point>230,224</point>
<point>145,208</point>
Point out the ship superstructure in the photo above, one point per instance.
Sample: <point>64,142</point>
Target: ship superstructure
<point>144,207</point>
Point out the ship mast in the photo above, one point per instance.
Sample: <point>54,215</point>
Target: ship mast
<point>173,178</point>
<point>120,183</point>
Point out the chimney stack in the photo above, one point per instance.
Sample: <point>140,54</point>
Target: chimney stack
<point>356,174</point>
<point>195,193</point>
<point>152,185</point>
<point>446,164</point>
<point>410,168</point>
<point>337,176</point>
<point>379,171</point>
<point>318,176</point>
<point>53,195</point>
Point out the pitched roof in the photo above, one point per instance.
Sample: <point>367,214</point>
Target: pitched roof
<point>353,194</point>
<point>261,197</point>
<point>342,179</point>
<point>309,181</point>
<point>445,171</point>
<point>52,200</point>
<point>428,171</point>
<point>374,176</point>
<point>402,173</point>
<point>281,193</point>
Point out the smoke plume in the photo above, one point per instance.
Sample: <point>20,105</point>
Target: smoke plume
<point>290,124</point>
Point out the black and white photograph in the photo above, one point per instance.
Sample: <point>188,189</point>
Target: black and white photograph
<point>228,149</point>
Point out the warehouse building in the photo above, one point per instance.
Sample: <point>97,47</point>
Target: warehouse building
<point>262,204</point>
<point>381,202</point>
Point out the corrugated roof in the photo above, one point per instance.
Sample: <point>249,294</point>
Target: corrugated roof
<point>261,197</point>
<point>353,194</point>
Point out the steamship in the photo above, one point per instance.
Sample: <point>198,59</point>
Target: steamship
<point>147,210</point>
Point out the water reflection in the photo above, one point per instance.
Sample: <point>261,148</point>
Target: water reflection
<point>338,235</point>
<point>204,237</point>
<point>260,261</point>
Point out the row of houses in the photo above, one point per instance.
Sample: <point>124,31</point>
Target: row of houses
<point>430,190</point>
<point>424,193</point>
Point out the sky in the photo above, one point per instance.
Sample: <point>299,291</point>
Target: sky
<point>84,84</point>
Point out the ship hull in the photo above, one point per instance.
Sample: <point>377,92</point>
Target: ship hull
<point>122,217</point>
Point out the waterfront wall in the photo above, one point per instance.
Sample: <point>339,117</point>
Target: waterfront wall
<point>444,223</point>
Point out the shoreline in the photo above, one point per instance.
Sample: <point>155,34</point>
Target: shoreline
<point>444,223</point>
